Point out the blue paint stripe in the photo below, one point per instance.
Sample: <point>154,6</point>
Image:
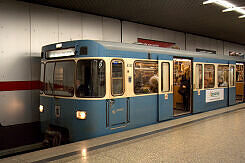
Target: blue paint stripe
<point>130,138</point>
<point>210,60</point>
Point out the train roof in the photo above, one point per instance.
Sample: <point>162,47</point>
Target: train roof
<point>151,49</point>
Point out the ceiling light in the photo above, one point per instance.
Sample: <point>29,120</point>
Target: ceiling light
<point>209,1</point>
<point>232,9</point>
<point>243,16</point>
<point>229,6</point>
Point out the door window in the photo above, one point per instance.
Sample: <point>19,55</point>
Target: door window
<point>117,77</point>
<point>199,76</point>
<point>232,76</point>
<point>165,77</point>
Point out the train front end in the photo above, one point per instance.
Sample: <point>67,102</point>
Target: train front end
<point>72,94</point>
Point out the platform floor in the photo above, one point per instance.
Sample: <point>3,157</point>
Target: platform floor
<point>214,136</point>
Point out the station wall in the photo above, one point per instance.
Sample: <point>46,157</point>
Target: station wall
<point>229,47</point>
<point>193,42</point>
<point>132,31</point>
<point>25,28</point>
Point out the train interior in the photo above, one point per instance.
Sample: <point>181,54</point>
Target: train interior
<point>182,86</point>
<point>239,82</point>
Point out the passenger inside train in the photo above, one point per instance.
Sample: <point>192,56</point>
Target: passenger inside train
<point>184,89</point>
<point>146,77</point>
<point>154,83</point>
<point>222,82</point>
<point>182,86</point>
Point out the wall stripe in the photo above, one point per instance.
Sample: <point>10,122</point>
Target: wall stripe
<point>19,85</point>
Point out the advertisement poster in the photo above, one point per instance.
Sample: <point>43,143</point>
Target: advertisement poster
<point>214,95</point>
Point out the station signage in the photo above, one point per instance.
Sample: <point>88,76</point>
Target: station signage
<point>60,53</point>
<point>156,43</point>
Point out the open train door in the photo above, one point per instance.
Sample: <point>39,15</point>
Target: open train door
<point>232,83</point>
<point>165,98</point>
<point>182,86</point>
<point>239,82</point>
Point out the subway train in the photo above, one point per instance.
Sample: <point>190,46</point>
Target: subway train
<point>94,88</point>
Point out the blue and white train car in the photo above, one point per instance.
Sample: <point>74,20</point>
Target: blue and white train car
<point>94,88</point>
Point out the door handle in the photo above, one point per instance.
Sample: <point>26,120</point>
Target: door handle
<point>111,102</point>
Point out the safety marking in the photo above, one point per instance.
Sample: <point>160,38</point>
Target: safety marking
<point>131,138</point>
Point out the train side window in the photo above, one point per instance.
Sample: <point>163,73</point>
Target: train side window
<point>117,77</point>
<point>232,76</point>
<point>199,76</point>
<point>209,76</point>
<point>223,75</point>
<point>145,77</point>
<point>165,77</point>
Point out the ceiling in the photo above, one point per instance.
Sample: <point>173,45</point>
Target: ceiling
<point>189,16</point>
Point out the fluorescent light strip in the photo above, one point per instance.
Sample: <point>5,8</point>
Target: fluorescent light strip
<point>210,1</point>
<point>243,16</point>
<point>229,6</point>
<point>232,9</point>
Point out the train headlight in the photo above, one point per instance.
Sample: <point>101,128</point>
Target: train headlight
<point>81,114</point>
<point>41,108</point>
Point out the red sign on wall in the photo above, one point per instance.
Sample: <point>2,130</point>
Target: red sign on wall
<point>156,43</point>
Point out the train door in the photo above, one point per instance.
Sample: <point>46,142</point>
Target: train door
<point>232,84</point>
<point>239,82</point>
<point>118,104</point>
<point>243,82</point>
<point>182,89</point>
<point>165,97</point>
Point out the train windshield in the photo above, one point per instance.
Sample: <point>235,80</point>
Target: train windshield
<point>59,78</point>
<point>49,78</point>
<point>42,78</point>
<point>90,80</point>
